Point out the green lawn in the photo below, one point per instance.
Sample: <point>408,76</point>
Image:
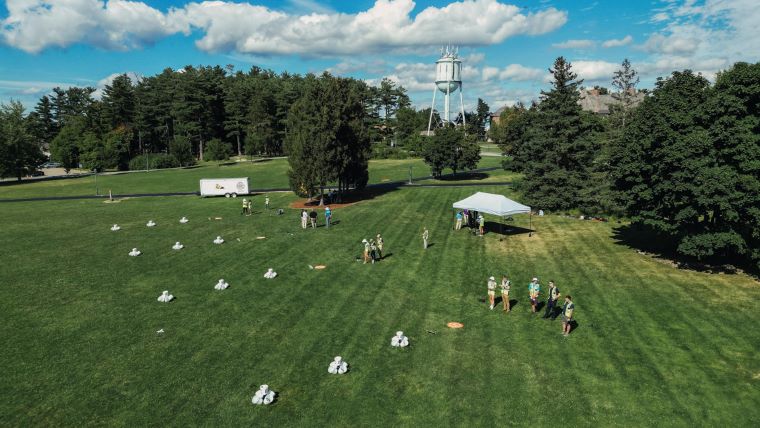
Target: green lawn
<point>655,346</point>
<point>267,174</point>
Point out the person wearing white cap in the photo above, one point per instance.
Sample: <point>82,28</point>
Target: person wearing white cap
<point>534,288</point>
<point>115,228</point>
<point>183,220</point>
<point>245,207</point>
<point>177,246</point>
<point>337,366</point>
<point>218,240</point>
<point>270,273</point>
<point>135,252</point>
<point>491,291</point>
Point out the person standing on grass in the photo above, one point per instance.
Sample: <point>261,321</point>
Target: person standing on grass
<point>425,237</point>
<point>534,289</point>
<point>505,286</point>
<point>379,246</point>
<point>459,221</point>
<point>466,217</point>
<point>328,216</point>
<point>481,224</point>
<point>245,207</point>
<point>266,203</point>
<point>373,250</point>
<point>551,300</point>
<point>304,219</point>
<point>250,206</point>
<point>491,292</point>
<point>366,250</point>
<point>567,315</point>
<point>313,218</point>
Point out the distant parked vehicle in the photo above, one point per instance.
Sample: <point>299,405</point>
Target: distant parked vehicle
<point>228,187</point>
<point>35,173</point>
<point>50,165</point>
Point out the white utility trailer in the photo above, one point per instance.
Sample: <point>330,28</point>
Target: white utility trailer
<point>227,187</point>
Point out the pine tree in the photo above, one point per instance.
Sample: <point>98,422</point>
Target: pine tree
<point>559,148</point>
<point>19,153</point>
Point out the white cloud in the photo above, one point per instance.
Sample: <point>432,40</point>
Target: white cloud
<point>34,25</point>
<point>703,36</point>
<point>595,70</point>
<point>520,73</point>
<point>490,73</point>
<point>614,43</point>
<point>574,44</point>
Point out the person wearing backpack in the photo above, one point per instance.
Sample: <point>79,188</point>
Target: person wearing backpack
<point>551,301</point>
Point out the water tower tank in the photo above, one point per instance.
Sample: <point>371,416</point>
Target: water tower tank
<point>448,73</point>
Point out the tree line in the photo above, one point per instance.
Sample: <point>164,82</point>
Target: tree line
<point>683,164</point>
<point>179,116</point>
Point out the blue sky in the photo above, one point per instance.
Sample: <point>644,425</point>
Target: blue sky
<point>506,45</point>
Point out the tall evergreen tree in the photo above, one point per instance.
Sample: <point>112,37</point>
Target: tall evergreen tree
<point>19,152</point>
<point>559,146</point>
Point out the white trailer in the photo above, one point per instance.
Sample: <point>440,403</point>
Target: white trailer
<point>227,187</point>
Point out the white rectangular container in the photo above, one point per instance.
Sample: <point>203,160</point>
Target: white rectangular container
<point>228,187</point>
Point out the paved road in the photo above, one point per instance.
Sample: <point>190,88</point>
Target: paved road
<point>401,183</point>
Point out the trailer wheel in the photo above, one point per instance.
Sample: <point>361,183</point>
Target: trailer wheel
<point>226,195</point>
<point>234,195</point>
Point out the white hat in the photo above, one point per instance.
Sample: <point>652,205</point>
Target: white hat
<point>364,241</point>
<point>338,359</point>
<point>535,279</point>
<point>399,333</point>
<point>491,278</point>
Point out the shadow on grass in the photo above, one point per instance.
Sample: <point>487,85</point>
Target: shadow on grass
<point>662,248</point>
<point>505,229</point>
<point>464,176</point>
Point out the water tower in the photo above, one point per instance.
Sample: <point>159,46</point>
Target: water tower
<point>448,79</point>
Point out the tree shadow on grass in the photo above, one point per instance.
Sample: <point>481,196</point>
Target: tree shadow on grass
<point>464,176</point>
<point>647,241</point>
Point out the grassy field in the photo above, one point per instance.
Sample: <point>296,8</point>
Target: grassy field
<point>266,174</point>
<point>654,346</point>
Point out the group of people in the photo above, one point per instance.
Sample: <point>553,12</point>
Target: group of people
<point>373,249</point>
<point>534,291</point>
<point>312,216</point>
<point>248,206</point>
<point>471,219</point>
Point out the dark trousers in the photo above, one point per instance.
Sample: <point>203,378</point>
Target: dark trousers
<point>550,305</point>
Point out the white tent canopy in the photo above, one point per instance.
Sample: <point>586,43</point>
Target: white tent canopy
<point>490,203</point>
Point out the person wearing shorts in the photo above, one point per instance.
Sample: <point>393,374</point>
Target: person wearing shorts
<point>481,224</point>
<point>459,221</point>
<point>567,315</point>
<point>425,237</point>
<point>534,288</point>
<point>551,301</point>
<point>491,291</point>
<point>505,286</point>
<point>379,246</point>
